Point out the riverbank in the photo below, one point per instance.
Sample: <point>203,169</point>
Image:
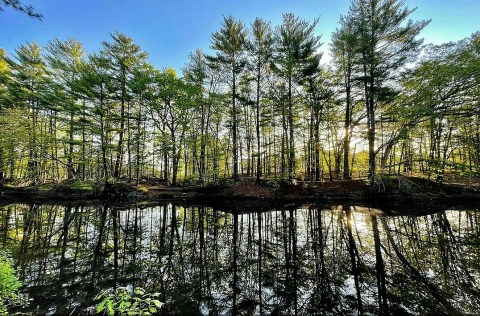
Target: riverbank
<point>393,191</point>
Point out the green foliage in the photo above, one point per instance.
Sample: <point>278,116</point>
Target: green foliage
<point>274,184</point>
<point>43,187</point>
<point>142,190</point>
<point>128,301</point>
<point>9,284</point>
<point>81,185</point>
<point>68,115</point>
<point>462,169</point>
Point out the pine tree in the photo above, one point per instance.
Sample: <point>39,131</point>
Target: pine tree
<point>66,60</point>
<point>229,44</point>
<point>387,42</point>
<point>196,74</point>
<point>29,81</point>
<point>123,56</point>
<point>296,52</point>
<point>344,49</point>
<point>260,48</point>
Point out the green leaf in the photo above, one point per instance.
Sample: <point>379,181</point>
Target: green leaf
<point>101,307</point>
<point>139,291</point>
<point>110,308</point>
<point>157,303</point>
<point>124,305</point>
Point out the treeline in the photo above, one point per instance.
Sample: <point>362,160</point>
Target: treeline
<point>260,105</point>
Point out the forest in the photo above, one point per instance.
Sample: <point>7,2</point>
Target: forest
<point>280,173</point>
<point>260,104</point>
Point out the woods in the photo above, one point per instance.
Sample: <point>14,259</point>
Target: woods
<point>288,168</point>
<point>259,104</point>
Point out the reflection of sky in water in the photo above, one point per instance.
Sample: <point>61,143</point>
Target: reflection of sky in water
<point>431,263</point>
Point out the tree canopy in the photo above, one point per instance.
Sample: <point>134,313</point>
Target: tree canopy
<point>260,105</point>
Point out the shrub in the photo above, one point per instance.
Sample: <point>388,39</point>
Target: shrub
<point>9,283</point>
<point>128,301</point>
<point>273,184</point>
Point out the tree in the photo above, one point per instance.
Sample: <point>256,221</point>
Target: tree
<point>140,85</point>
<point>5,77</point>
<point>93,86</point>
<point>386,45</point>
<point>344,47</point>
<point>66,60</point>
<point>319,88</point>
<point>17,5</point>
<point>172,111</point>
<point>260,48</point>
<point>29,81</point>
<point>196,74</point>
<point>229,44</point>
<point>295,54</point>
<point>439,97</point>
<point>123,56</point>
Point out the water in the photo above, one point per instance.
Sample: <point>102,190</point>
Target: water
<point>328,261</point>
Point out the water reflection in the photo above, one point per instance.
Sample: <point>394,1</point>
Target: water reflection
<point>338,261</point>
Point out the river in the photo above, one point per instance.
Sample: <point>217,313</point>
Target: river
<point>336,260</point>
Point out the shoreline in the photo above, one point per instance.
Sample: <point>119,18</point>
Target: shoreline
<point>414,196</point>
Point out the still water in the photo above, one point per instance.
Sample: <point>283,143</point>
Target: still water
<point>341,260</point>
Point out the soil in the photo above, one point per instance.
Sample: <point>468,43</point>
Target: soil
<point>404,194</point>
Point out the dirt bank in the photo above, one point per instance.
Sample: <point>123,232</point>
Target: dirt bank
<point>390,191</point>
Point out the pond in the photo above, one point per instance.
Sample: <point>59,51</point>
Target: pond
<point>339,260</point>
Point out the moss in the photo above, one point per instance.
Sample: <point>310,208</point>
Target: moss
<point>142,190</point>
<point>81,185</point>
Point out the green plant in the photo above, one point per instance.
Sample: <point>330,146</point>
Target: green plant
<point>9,283</point>
<point>128,301</point>
<point>142,190</point>
<point>81,185</point>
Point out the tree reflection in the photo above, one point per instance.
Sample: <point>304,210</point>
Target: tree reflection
<point>355,260</point>
<point>343,260</point>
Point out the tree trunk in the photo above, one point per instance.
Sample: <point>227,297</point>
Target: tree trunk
<point>201,167</point>
<point>70,171</point>
<point>2,164</point>
<point>257,128</point>
<point>318,169</point>
<point>291,161</point>
<point>119,158</point>
<point>83,142</point>
<point>234,126</point>
<point>347,129</point>
<point>137,149</point>
<point>103,136</point>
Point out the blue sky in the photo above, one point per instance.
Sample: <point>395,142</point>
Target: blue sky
<point>170,29</point>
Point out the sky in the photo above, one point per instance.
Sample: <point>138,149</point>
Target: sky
<point>171,29</point>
